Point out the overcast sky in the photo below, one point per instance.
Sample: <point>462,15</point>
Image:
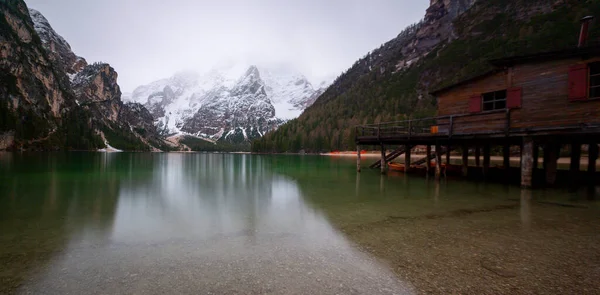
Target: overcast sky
<point>146,40</point>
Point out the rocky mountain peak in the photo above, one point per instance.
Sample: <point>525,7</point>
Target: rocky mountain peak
<point>233,102</point>
<point>58,48</point>
<point>450,8</point>
<point>97,84</point>
<point>250,83</point>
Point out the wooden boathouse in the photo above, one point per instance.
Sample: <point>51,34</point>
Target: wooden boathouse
<point>541,101</point>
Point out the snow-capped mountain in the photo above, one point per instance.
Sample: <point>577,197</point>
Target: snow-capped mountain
<point>233,103</point>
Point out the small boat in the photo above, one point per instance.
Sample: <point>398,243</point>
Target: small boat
<point>445,167</point>
<point>396,167</point>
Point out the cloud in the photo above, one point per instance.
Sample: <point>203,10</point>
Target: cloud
<point>145,40</point>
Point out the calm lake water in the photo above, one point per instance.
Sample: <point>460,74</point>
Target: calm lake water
<point>155,223</point>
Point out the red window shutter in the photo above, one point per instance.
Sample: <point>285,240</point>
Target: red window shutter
<point>475,104</point>
<point>578,82</point>
<point>513,97</point>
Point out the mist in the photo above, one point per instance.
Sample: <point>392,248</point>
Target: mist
<point>146,40</point>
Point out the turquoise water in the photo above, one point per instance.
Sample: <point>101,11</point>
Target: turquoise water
<point>75,223</point>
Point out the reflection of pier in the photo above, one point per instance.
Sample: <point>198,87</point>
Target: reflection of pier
<point>545,104</point>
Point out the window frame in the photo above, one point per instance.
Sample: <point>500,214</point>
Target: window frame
<point>589,76</point>
<point>494,101</point>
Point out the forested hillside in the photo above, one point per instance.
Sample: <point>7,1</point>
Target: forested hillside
<point>452,43</point>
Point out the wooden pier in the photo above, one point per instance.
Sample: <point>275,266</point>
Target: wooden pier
<point>546,101</point>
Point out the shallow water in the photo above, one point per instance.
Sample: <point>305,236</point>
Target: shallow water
<point>154,223</point>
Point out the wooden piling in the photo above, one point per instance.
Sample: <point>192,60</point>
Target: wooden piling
<point>592,157</point>
<point>506,156</point>
<point>477,155</point>
<point>506,162</point>
<point>407,150</point>
<point>465,160</point>
<point>438,161</point>
<point>383,162</point>
<point>448,148</point>
<point>486,160</point>
<point>575,163</point>
<point>358,158</point>
<point>551,153</point>
<point>591,170</point>
<point>536,155</point>
<point>427,161</point>
<point>527,163</point>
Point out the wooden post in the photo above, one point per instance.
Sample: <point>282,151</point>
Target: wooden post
<point>551,153</point>
<point>527,162</point>
<point>575,163</point>
<point>592,157</point>
<point>536,155</point>
<point>591,170</point>
<point>486,160</point>
<point>506,162</point>
<point>465,160</point>
<point>383,162</point>
<point>448,155</point>
<point>358,158</point>
<point>477,155</point>
<point>506,155</point>
<point>407,149</point>
<point>438,161</point>
<point>427,162</point>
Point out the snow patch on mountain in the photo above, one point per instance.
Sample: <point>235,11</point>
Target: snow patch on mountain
<point>233,102</point>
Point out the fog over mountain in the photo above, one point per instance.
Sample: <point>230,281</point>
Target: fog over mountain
<point>149,40</point>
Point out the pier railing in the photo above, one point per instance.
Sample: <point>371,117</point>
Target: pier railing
<point>492,123</point>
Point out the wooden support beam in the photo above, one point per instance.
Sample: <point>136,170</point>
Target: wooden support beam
<point>551,152</point>
<point>383,162</point>
<point>506,156</point>
<point>407,161</point>
<point>575,163</point>
<point>465,160</point>
<point>592,157</point>
<point>358,158</point>
<point>506,162</point>
<point>448,149</point>
<point>536,155</point>
<point>527,163</point>
<point>591,170</point>
<point>427,160</point>
<point>438,161</point>
<point>486,160</point>
<point>477,155</point>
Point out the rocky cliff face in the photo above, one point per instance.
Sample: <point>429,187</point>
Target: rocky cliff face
<point>58,49</point>
<point>227,104</point>
<point>96,87</point>
<point>35,95</point>
<point>54,100</point>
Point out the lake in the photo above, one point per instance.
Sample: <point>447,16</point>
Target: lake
<point>193,223</point>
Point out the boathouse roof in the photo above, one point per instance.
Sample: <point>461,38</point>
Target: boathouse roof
<point>501,63</point>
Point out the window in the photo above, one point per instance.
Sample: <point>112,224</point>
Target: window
<point>496,100</point>
<point>594,80</point>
